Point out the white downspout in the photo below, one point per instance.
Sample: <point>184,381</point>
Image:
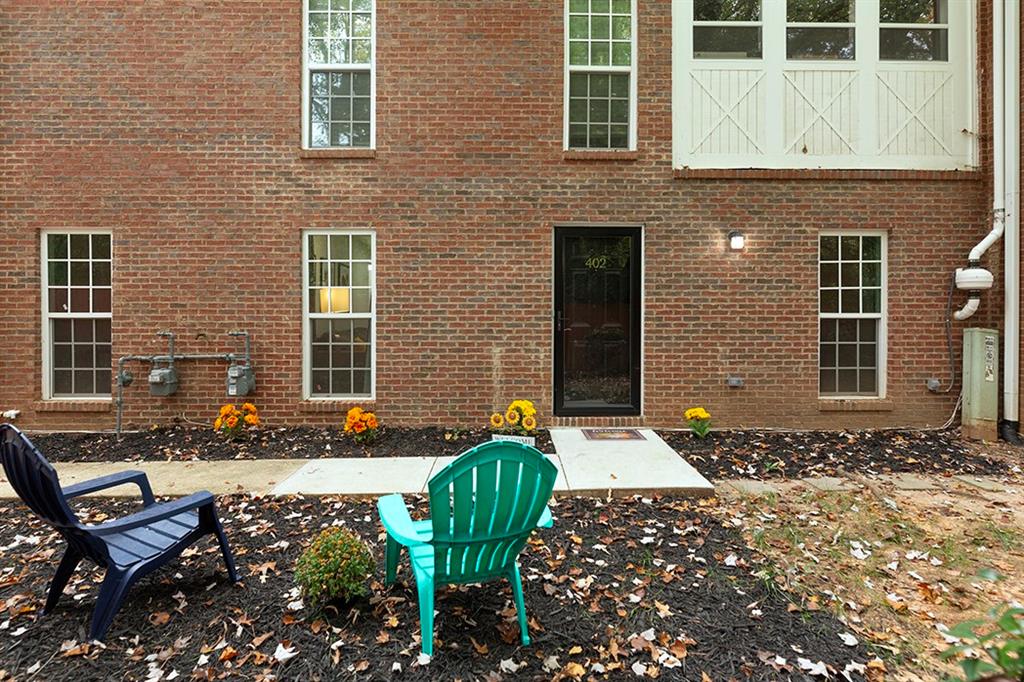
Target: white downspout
<point>1011,189</point>
<point>974,278</point>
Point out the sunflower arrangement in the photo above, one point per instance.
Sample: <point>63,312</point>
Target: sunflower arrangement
<point>699,421</point>
<point>362,425</point>
<point>232,421</point>
<point>520,418</point>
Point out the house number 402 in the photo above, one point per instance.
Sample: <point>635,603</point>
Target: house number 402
<point>597,262</point>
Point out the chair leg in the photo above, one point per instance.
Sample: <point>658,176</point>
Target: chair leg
<point>517,591</point>
<point>112,593</point>
<point>68,563</point>
<point>212,522</point>
<point>391,555</point>
<point>425,594</point>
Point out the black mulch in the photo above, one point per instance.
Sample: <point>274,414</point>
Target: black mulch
<point>296,442</point>
<point>787,454</point>
<point>612,587</point>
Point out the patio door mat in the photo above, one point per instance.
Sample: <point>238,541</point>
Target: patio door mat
<point>613,434</point>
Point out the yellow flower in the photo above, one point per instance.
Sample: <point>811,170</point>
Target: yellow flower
<point>371,420</point>
<point>249,407</point>
<point>524,406</point>
<point>529,422</point>
<point>252,420</point>
<point>232,421</point>
<point>226,409</point>
<point>497,421</point>
<point>512,416</point>
<point>217,423</point>
<point>696,413</point>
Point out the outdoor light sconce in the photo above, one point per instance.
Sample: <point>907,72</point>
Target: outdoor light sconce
<point>736,240</point>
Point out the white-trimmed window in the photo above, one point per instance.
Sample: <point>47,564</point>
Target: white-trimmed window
<point>858,84</point>
<point>76,284</point>
<point>852,314</point>
<point>338,314</point>
<point>600,74</point>
<point>338,74</point>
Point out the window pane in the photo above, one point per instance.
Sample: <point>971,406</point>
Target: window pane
<point>847,381</point>
<point>101,273</point>
<point>819,43</point>
<point>727,42</point>
<point>868,382</point>
<point>361,330</point>
<point>61,355</point>
<point>851,301</point>
<point>828,330</point>
<point>361,382</point>
<point>58,272</point>
<point>847,330</point>
<point>872,302</point>
<point>79,246</point>
<point>847,354</point>
<point>830,300</point>
<point>80,273</point>
<point>913,11</point>
<point>914,44</point>
<point>829,275</point>
<point>871,274</point>
<point>61,382</point>
<point>101,300</point>
<point>61,330</point>
<point>820,11</point>
<point>872,248</point>
<point>850,275</point>
<point>727,10</point>
<point>80,300</point>
<point>850,248</point>
<point>829,248</point>
<point>318,247</point>
<point>361,247</point>
<point>827,381</point>
<point>57,245</point>
<point>101,246</point>
<point>828,355</point>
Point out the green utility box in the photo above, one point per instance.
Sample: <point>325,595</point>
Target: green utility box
<point>981,384</point>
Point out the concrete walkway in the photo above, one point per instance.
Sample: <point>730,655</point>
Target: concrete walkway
<point>584,467</point>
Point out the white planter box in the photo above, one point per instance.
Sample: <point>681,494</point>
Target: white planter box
<point>525,440</point>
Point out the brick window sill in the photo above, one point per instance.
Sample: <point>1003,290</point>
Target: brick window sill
<point>862,405</point>
<point>72,405</point>
<point>823,174</point>
<point>338,154</point>
<point>330,406</point>
<point>599,155</point>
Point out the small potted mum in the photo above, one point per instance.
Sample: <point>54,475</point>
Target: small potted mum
<point>335,568</point>
<point>362,425</point>
<point>518,423</point>
<point>699,421</point>
<point>234,422</point>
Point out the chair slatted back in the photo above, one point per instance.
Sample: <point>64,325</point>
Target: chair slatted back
<point>483,507</point>
<point>36,482</point>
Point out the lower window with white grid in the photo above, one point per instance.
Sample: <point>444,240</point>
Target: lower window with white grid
<point>851,315</point>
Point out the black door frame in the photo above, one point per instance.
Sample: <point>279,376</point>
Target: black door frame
<point>635,330</point>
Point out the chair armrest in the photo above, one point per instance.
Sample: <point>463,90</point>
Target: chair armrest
<point>154,513</point>
<point>395,517</point>
<point>545,520</point>
<point>104,482</point>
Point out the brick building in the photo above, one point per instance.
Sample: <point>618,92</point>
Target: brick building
<point>437,208</point>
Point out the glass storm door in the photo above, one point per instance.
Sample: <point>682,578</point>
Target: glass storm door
<point>597,321</point>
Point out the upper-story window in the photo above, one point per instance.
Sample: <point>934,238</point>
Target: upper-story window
<point>600,90</point>
<point>338,74</point>
<point>824,84</point>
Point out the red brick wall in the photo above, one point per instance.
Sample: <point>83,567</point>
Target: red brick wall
<point>176,125</point>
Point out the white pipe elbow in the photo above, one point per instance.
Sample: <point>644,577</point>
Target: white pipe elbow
<point>991,238</point>
<point>968,310</point>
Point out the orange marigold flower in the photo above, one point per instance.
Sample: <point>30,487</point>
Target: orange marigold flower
<point>371,421</point>
<point>252,420</point>
<point>226,409</point>
<point>359,427</point>
<point>512,417</point>
<point>249,407</point>
<point>232,421</point>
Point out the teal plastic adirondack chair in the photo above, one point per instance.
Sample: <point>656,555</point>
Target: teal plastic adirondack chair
<point>483,507</point>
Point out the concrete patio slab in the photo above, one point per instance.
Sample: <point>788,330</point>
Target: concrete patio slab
<point>561,485</point>
<point>989,485</point>
<point>370,476</point>
<point>750,487</point>
<point>828,484</point>
<point>910,482</point>
<point>625,467</point>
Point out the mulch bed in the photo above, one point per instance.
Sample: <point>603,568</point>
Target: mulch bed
<point>297,442</point>
<point>614,590</point>
<point>787,454</point>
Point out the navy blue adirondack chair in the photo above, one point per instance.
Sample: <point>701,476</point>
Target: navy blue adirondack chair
<point>128,548</point>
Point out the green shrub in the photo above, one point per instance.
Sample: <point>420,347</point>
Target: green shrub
<point>1000,638</point>
<point>337,565</point>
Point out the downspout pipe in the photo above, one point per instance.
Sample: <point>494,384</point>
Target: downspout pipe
<point>1009,427</point>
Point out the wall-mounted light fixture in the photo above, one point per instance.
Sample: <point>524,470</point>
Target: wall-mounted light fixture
<point>736,240</point>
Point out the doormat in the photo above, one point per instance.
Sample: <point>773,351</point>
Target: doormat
<point>613,434</point>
